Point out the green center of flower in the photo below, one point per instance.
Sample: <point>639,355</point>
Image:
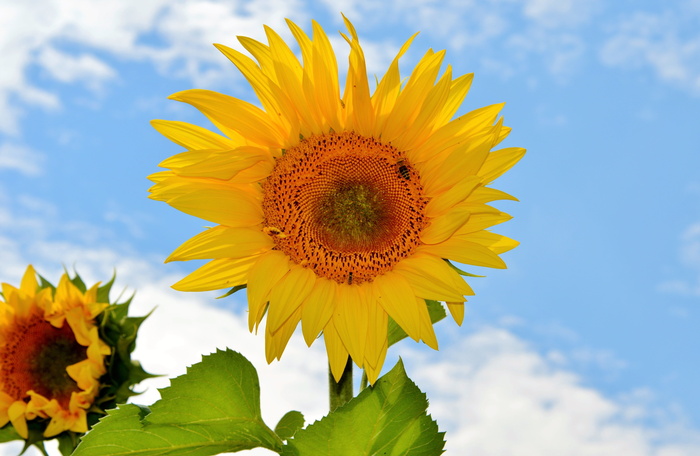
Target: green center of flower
<point>352,215</point>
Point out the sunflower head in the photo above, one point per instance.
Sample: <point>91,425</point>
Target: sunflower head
<point>339,210</point>
<point>64,356</point>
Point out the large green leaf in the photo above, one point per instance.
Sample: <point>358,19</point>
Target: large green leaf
<point>214,408</point>
<point>436,312</point>
<point>387,419</point>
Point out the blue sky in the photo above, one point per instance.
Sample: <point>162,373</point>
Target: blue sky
<point>587,344</point>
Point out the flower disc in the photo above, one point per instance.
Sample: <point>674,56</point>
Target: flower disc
<point>35,357</point>
<point>345,206</point>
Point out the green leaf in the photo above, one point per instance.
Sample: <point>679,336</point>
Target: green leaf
<point>387,419</point>
<point>436,312</point>
<point>290,423</point>
<point>214,408</point>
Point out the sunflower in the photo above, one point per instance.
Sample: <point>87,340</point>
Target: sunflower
<point>51,355</point>
<point>338,211</point>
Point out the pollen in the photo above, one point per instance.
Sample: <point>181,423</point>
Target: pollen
<point>350,206</point>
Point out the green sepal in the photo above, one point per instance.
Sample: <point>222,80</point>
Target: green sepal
<point>389,418</point>
<point>43,283</point>
<point>213,408</point>
<point>436,312</point>
<point>461,272</point>
<point>232,291</point>
<point>78,282</point>
<point>119,331</point>
<point>67,441</point>
<point>289,424</point>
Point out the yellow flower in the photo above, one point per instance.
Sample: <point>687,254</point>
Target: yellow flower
<point>338,211</point>
<point>51,355</point>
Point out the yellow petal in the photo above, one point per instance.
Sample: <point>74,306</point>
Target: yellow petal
<point>358,104</point>
<point>273,99</point>
<point>486,195</point>
<point>350,319</point>
<point>288,294</point>
<point>318,308</point>
<point>29,284</point>
<point>497,243</point>
<point>377,342</point>
<point>411,98</point>
<point>218,164</point>
<point>225,206</point>
<point>16,414</point>
<point>374,371</point>
<point>235,117</point>
<point>337,353</point>
<point>482,220</point>
<point>462,160</point>
<point>427,332</point>
<point>466,252</point>
<point>458,91</point>
<point>457,311</point>
<point>446,200</point>
<point>218,274</point>
<point>264,275</point>
<point>422,126</point>
<point>446,224</point>
<point>277,342</point>
<point>397,297</point>
<point>388,89</point>
<point>223,242</point>
<point>432,278</point>
<point>192,137</point>
<point>500,161</point>
<point>458,131</point>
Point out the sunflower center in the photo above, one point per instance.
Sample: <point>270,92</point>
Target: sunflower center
<point>35,357</point>
<point>348,217</point>
<point>347,206</point>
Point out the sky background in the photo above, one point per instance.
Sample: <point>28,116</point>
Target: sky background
<point>587,345</point>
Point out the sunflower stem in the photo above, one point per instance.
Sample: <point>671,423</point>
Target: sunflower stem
<point>340,392</point>
<point>365,381</point>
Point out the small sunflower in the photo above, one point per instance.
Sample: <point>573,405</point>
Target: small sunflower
<point>338,211</point>
<point>56,364</point>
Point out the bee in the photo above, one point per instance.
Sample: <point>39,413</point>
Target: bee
<point>403,170</point>
<point>274,231</point>
<point>350,278</point>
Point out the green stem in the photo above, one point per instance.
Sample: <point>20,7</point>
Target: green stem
<point>364,382</point>
<point>340,392</point>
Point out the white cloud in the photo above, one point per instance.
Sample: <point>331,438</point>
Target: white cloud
<point>68,68</point>
<point>495,395</point>
<point>20,158</point>
<point>176,35</point>
<point>560,13</point>
<point>668,43</point>
<point>689,256</point>
<point>489,390</point>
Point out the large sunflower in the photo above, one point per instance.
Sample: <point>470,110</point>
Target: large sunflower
<point>51,355</point>
<point>338,211</point>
